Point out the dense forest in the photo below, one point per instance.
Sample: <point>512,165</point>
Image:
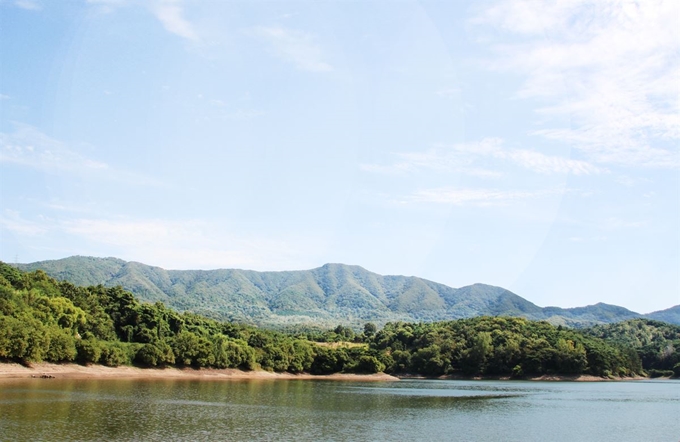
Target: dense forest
<point>657,343</point>
<point>42,319</point>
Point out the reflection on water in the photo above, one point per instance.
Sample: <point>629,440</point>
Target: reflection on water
<point>127,410</point>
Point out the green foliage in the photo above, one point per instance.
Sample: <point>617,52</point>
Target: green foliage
<point>329,360</point>
<point>498,346</point>
<point>152,355</point>
<point>370,329</point>
<point>328,295</point>
<point>232,353</point>
<point>62,346</point>
<point>369,364</point>
<point>654,373</point>
<point>89,351</point>
<point>114,354</point>
<point>43,319</point>
<point>655,343</point>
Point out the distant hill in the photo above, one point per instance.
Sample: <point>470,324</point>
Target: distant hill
<point>671,315</point>
<point>329,295</point>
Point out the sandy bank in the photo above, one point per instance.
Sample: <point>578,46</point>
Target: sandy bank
<point>75,371</point>
<point>585,378</point>
<point>553,378</point>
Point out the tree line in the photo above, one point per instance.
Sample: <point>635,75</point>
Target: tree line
<point>42,319</point>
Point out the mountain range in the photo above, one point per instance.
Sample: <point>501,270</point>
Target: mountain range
<point>329,295</point>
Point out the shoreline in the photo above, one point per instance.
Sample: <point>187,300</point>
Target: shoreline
<point>42,370</point>
<point>542,378</point>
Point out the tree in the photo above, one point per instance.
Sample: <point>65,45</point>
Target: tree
<point>369,364</point>
<point>474,360</point>
<point>370,329</point>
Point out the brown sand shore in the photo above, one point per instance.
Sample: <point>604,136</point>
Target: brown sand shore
<point>543,378</point>
<point>75,371</point>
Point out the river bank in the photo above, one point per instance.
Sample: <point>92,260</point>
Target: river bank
<point>542,378</point>
<point>45,370</point>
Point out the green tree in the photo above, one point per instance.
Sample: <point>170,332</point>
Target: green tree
<point>370,329</point>
<point>475,357</point>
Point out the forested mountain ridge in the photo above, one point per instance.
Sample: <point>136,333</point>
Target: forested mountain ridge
<point>670,315</point>
<point>42,319</point>
<point>328,295</point>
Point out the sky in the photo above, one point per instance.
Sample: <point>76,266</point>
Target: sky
<point>524,144</point>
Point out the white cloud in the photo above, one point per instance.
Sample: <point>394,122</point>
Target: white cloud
<point>449,93</point>
<point>541,163</point>
<point>128,233</point>
<point>609,65</point>
<point>29,5</point>
<point>296,47</point>
<point>579,239</point>
<point>181,244</point>
<point>460,158</point>
<point>475,197</point>
<point>243,114</point>
<point>11,220</point>
<point>171,15</point>
<point>169,12</point>
<point>28,147</point>
<point>107,2</point>
<point>615,223</point>
<point>4,97</point>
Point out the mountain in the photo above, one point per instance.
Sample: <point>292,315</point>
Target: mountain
<point>670,315</point>
<point>329,295</point>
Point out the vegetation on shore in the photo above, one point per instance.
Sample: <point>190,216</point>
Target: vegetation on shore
<point>42,319</point>
<point>656,343</point>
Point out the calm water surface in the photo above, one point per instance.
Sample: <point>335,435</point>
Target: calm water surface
<point>266,410</point>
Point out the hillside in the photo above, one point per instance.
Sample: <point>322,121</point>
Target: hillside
<point>656,343</point>
<point>328,295</point>
<point>42,319</point>
<point>670,315</point>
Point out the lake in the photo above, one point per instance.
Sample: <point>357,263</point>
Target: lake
<point>302,410</point>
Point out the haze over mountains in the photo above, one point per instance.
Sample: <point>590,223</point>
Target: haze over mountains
<point>329,295</point>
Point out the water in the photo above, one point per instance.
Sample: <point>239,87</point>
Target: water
<point>266,410</point>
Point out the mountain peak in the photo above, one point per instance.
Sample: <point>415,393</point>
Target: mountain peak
<point>332,294</point>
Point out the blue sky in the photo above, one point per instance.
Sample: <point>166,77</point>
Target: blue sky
<point>531,145</point>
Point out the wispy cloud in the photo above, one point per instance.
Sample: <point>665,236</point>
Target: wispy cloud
<point>171,15</point>
<point>610,66</point>
<point>106,6</point>
<point>243,114</point>
<point>615,223</point>
<point>449,93</point>
<point>131,232</point>
<point>28,147</point>
<point>187,243</point>
<point>30,5</point>
<point>474,197</point>
<point>461,158</point>
<point>12,221</point>
<point>580,239</point>
<point>107,2</point>
<point>296,47</point>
